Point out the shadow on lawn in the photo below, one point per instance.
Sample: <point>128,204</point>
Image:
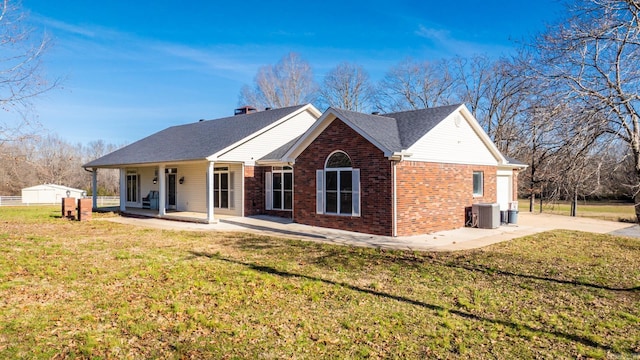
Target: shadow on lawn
<point>490,270</point>
<point>464,314</point>
<point>357,258</point>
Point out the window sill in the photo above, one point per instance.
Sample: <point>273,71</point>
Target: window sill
<point>341,215</point>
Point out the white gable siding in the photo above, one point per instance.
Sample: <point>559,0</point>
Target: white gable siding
<point>267,142</point>
<point>452,141</point>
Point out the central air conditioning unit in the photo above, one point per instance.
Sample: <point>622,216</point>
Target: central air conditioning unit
<point>486,215</point>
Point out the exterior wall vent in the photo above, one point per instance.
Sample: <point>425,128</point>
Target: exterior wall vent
<point>487,215</point>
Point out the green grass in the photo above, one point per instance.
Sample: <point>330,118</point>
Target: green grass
<point>593,209</point>
<point>104,290</point>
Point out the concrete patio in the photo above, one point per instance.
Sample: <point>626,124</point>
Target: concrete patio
<point>458,239</point>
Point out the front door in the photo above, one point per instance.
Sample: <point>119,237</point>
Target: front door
<point>171,191</point>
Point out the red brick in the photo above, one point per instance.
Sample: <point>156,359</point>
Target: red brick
<point>375,182</point>
<point>433,196</point>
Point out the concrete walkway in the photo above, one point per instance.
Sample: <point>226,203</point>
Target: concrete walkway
<point>459,239</point>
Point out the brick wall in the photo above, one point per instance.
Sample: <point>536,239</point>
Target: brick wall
<point>253,190</point>
<point>433,196</point>
<point>375,182</point>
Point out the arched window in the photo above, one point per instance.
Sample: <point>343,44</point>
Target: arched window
<point>338,186</point>
<point>338,160</point>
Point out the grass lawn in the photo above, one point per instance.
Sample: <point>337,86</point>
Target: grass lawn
<point>594,209</point>
<point>105,290</point>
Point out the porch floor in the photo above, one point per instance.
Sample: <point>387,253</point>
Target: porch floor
<point>188,216</point>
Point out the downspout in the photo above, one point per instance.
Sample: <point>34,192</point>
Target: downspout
<point>394,199</point>
<point>394,188</point>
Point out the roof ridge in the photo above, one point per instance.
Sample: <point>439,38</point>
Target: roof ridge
<point>425,109</point>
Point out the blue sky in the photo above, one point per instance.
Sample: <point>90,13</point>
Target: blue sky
<point>131,68</point>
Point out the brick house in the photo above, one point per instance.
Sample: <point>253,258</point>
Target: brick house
<point>397,174</point>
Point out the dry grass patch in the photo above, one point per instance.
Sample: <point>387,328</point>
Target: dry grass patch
<point>104,290</point>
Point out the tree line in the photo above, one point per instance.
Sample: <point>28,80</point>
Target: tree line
<point>51,160</point>
<point>566,103</point>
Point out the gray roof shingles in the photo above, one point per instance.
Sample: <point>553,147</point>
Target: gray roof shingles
<point>278,153</point>
<point>195,141</point>
<point>397,131</point>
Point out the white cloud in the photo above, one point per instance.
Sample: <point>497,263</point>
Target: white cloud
<point>448,43</point>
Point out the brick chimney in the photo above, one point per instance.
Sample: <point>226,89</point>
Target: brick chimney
<point>244,110</point>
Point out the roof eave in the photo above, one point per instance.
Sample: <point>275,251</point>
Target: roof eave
<point>398,155</point>
<point>514,166</point>
<point>319,126</point>
<point>475,125</point>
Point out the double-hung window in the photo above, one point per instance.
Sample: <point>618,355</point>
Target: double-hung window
<point>338,186</point>
<point>279,188</point>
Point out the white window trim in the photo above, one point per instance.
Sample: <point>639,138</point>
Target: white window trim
<point>481,193</point>
<point>270,191</point>
<point>321,189</point>
<point>230,189</point>
<point>138,200</point>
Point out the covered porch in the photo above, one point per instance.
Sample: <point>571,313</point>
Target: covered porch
<point>187,191</point>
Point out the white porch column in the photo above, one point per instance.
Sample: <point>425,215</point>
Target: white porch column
<point>162,189</point>
<point>123,189</point>
<point>242,192</point>
<point>94,188</point>
<point>210,204</point>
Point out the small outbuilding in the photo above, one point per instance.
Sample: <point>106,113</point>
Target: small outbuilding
<point>48,194</point>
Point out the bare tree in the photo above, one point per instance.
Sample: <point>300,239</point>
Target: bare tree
<point>347,87</point>
<point>15,171</point>
<point>21,74</point>
<point>497,92</point>
<point>51,159</point>
<point>416,85</point>
<point>108,179</point>
<point>540,145</point>
<point>57,162</point>
<point>593,57</point>
<point>289,82</point>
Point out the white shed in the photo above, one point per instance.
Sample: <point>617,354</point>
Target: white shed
<point>48,194</point>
